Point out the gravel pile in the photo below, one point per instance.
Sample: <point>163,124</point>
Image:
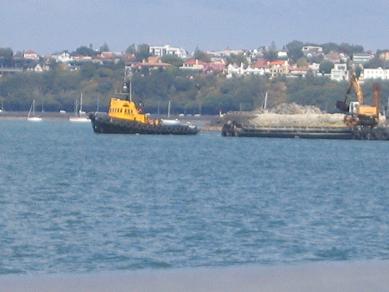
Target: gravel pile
<point>294,109</point>
<point>287,115</point>
<point>313,120</point>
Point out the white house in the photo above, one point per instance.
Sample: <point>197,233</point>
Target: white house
<point>362,58</point>
<point>234,70</point>
<point>376,73</point>
<point>63,57</point>
<point>339,72</point>
<point>310,51</point>
<point>282,54</point>
<point>161,51</point>
<point>30,55</point>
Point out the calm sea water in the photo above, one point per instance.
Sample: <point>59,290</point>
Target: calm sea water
<point>74,201</point>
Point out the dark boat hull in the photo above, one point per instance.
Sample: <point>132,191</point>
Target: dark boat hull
<point>102,123</point>
<point>358,133</point>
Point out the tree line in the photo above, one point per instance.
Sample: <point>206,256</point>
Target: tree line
<point>189,93</point>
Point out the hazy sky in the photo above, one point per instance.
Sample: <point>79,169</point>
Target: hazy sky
<point>55,25</point>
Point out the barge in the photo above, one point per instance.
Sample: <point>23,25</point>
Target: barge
<point>234,129</point>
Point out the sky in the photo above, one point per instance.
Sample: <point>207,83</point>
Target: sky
<point>55,25</point>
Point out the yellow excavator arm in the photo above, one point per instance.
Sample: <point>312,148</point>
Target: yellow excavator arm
<point>361,114</point>
<point>354,84</point>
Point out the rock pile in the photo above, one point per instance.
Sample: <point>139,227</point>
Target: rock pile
<point>295,115</point>
<point>294,108</point>
<point>273,120</point>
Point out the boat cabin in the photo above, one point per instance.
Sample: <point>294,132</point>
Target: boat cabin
<point>125,109</point>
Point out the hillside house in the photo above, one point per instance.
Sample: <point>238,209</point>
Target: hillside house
<point>194,64</point>
<point>152,62</point>
<point>339,72</point>
<point>30,55</point>
<point>167,50</point>
<point>376,73</point>
<point>63,57</point>
<point>312,51</point>
<point>362,58</point>
<point>278,68</point>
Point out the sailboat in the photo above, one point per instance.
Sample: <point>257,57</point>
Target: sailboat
<point>79,116</point>
<point>31,114</point>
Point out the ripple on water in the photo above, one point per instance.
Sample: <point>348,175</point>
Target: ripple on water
<point>73,201</point>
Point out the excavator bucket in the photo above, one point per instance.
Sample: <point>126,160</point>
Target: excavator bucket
<point>342,106</point>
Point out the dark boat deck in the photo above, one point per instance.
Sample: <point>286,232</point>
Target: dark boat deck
<point>102,123</point>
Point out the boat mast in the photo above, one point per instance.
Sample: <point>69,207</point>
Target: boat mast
<point>130,89</point>
<point>265,104</point>
<point>30,110</point>
<point>80,103</point>
<point>127,86</point>
<point>168,109</point>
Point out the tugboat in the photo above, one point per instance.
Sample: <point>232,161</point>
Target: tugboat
<point>125,117</point>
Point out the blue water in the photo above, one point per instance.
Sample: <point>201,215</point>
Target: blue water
<point>74,201</point>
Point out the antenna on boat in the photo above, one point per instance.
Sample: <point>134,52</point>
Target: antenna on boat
<point>130,89</point>
<point>127,86</point>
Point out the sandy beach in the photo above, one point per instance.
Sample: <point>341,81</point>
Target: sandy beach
<point>334,276</point>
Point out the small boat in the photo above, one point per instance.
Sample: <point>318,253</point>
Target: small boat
<point>31,114</point>
<point>126,117</point>
<point>79,115</point>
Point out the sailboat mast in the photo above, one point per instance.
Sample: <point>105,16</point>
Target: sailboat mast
<point>81,103</point>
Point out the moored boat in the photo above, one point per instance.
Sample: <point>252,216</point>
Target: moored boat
<point>125,117</point>
<point>103,123</point>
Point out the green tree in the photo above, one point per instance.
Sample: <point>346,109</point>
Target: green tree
<point>88,70</point>
<point>325,67</point>
<point>6,57</point>
<point>172,60</point>
<point>350,49</point>
<point>270,55</point>
<point>142,52</point>
<point>131,49</point>
<point>201,55</point>
<point>104,48</point>
<point>294,49</point>
<point>237,59</point>
<point>375,63</point>
<point>302,62</point>
<point>330,47</point>
<point>277,93</point>
<point>85,51</point>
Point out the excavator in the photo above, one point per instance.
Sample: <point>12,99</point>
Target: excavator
<point>358,113</point>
